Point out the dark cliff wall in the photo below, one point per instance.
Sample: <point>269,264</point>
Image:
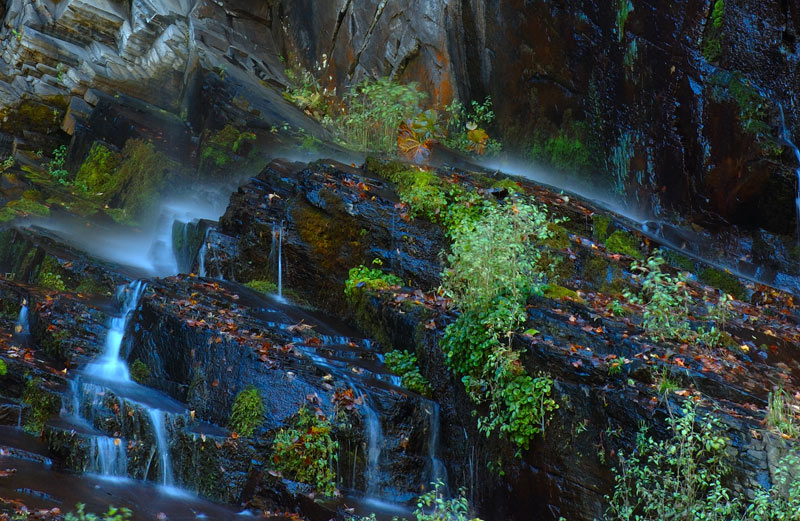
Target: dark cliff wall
<point>676,108</point>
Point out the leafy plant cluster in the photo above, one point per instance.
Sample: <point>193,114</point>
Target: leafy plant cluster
<point>3,368</point>
<point>782,413</point>
<point>683,478</point>
<point>222,147</point>
<point>494,267</point>
<point>369,278</point>
<point>248,412</point>
<point>567,149</point>
<point>667,303</point>
<point>56,166</point>
<point>432,506</point>
<point>139,371</point>
<point>113,514</point>
<point>306,452</point>
<point>404,364</point>
<point>49,276</point>
<point>385,116</point>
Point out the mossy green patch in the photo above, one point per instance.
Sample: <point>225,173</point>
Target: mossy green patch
<point>263,286</point>
<point>140,372</point>
<point>3,368</point>
<point>43,403</point>
<point>97,173</point>
<point>224,146</point>
<point>600,224</point>
<point>507,184</point>
<point>50,275</point>
<point>723,281</point>
<point>89,286</point>
<point>556,292</point>
<point>624,243</point>
<point>25,207</point>
<point>559,238</point>
<point>677,260</point>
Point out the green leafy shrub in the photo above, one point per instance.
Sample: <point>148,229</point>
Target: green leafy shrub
<point>369,278</point>
<point>44,404</point>
<point>782,413</point>
<point>682,478</point>
<point>494,268</point>
<point>404,364</point>
<point>248,412</point>
<point>432,506</point>
<point>56,166</point>
<point>665,300</point>
<point>624,243</point>
<point>140,372</point>
<point>113,514</point>
<point>306,452</point>
<point>374,111</point>
<point>464,128</point>
<point>305,91</point>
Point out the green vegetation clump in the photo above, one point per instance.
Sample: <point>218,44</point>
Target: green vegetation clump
<point>56,166</point>
<point>404,364</point>
<point>665,300</point>
<point>374,111</point>
<point>682,262</point>
<point>97,173</point>
<point>600,224</point>
<point>754,107</point>
<point>140,372</point>
<point>3,368</point>
<point>683,477</point>
<point>465,122</point>
<point>567,149</point>
<point>781,414</point>
<point>369,278</point>
<point>89,286</point>
<point>49,275</point>
<point>263,286</point>
<point>223,146</point>
<point>248,412</point>
<point>723,281</point>
<point>624,243</point>
<point>306,452</point>
<point>624,9</point>
<point>494,268</point>
<point>113,514</point>
<point>44,404</point>
<point>25,207</point>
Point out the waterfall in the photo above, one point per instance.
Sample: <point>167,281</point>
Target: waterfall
<point>280,261</point>
<point>107,457</point>
<point>160,434</point>
<point>438,472</point>
<point>374,443</point>
<point>110,366</point>
<point>788,138</point>
<point>201,256</point>
<point>23,326</point>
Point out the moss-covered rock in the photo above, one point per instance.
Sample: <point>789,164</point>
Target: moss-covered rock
<point>624,243</point>
<point>723,281</point>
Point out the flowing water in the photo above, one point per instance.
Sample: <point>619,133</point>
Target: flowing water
<point>22,327</point>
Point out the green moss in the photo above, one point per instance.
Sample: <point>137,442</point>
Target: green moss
<point>623,243</point>
<point>384,169</point>
<point>624,9</point>
<point>89,286</point>
<point>723,281</point>
<point>28,207</point>
<point>52,341</point>
<point>675,259</point>
<point>263,286</point>
<point>97,173</point>
<point>223,146</point>
<point>557,292</point>
<point>50,272</point>
<point>600,224</point>
<point>567,150</point>
<point>596,271</point>
<point>248,412</point>
<point>43,403</point>
<point>3,368</point>
<point>139,371</point>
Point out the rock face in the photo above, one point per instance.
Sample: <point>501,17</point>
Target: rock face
<point>677,104</point>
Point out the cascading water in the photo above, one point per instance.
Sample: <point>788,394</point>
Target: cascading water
<point>788,139</point>
<point>437,472</point>
<point>110,366</point>
<point>201,256</point>
<point>107,457</point>
<point>160,434</point>
<point>374,445</point>
<point>22,326</point>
